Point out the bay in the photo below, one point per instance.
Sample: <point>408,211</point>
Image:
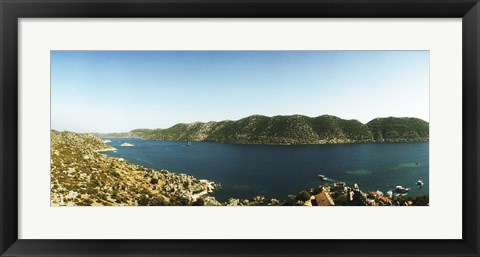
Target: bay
<point>274,171</point>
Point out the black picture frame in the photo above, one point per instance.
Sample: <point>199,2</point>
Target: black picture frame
<point>12,10</point>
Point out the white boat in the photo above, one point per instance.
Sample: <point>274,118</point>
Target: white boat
<point>126,144</point>
<point>420,183</point>
<point>322,177</point>
<point>401,190</point>
<point>390,193</point>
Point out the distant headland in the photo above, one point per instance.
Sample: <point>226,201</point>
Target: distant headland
<point>292,129</point>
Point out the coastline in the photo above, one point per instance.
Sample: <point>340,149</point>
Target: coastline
<point>111,149</point>
<point>274,144</point>
<point>209,189</point>
<point>82,174</point>
<point>288,130</point>
<point>224,196</point>
<point>210,186</point>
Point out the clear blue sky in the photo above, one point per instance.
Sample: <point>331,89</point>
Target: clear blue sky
<point>117,91</point>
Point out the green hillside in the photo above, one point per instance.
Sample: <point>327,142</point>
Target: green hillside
<point>398,129</point>
<point>293,129</point>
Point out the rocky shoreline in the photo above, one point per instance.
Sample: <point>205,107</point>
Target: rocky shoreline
<point>82,176</point>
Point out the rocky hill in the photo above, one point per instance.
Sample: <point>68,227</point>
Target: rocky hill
<point>398,129</point>
<point>80,175</point>
<point>294,129</point>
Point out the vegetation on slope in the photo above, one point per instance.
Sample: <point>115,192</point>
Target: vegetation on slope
<point>82,176</point>
<point>398,129</point>
<point>294,129</point>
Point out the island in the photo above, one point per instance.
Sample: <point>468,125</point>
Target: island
<point>292,129</point>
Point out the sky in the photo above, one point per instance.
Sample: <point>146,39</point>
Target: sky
<point>117,91</point>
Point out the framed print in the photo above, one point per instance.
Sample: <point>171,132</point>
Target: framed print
<point>239,128</point>
<point>210,151</point>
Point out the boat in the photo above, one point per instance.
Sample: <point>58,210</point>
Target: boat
<point>322,177</point>
<point>189,143</point>
<point>402,190</point>
<point>420,183</point>
<point>390,193</point>
<point>126,144</point>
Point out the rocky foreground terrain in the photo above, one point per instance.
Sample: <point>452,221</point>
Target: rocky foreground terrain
<point>81,175</point>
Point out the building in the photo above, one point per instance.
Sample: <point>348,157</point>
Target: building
<point>381,199</point>
<point>323,199</point>
<point>339,187</point>
<point>355,197</point>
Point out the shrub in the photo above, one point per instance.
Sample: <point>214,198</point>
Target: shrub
<point>317,190</point>
<point>154,181</point>
<point>157,201</point>
<point>143,201</point>
<point>290,201</point>
<point>102,196</point>
<point>179,201</point>
<point>340,199</point>
<point>303,196</point>
<point>87,202</point>
<point>420,200</point>
<point>199,202</point>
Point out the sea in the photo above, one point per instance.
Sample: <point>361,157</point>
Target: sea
<point>275,171</point>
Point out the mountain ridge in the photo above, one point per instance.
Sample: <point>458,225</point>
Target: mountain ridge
<point>290,129</point>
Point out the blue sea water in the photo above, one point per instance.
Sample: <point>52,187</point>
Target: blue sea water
<point>275,171</point>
